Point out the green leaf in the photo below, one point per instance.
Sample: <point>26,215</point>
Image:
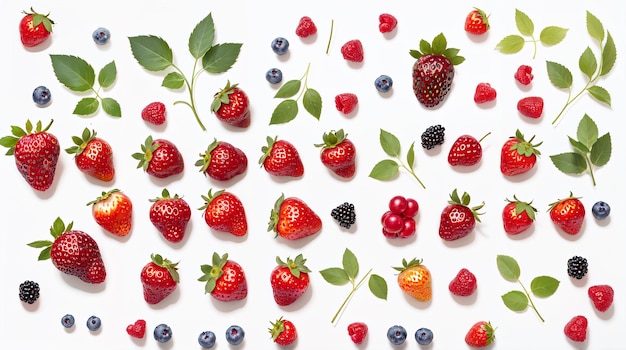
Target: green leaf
<point>601,150</point>
<point>595,27</point>
<point>378,286</point>
<point>600,94</point>
<point>544,286</point>
<point>350,264</point>
<point>439,44</point>
<point>559,75</point>
<point>569,163</point>
<point>221,57</point>
<point>111,107</point>
<point>588,63</point>
<point>173,80</point>
<point>587,131</point>
<point>515,300</point>
<point>384,170</point>
<point>508,267</point>
<point>107,75</point>
<point>335,275</point>
<point>312,102</point>
<point>609,55</point>
<point>524,23</point>
<point>151,52</point>
<point>202,36</point>
<point>579,146</point>
<point>73,72</point>
<point>285,112</point>
<point>425,47</point>
<point>390,143</point>
<point>410,156</point>
<point>511,44</point>
<point>45,254</point>
<point>552,35</point>
<point>289,89</point>
<point>86,106</point>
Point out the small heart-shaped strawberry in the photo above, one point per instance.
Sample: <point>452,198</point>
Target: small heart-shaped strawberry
<point>387,23</point>
<point>137,329</point>
<point>353,51</point>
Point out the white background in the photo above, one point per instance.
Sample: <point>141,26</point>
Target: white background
<point>27,214</point>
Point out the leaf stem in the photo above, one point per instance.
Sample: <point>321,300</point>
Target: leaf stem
<point>412,172</point>
<point>590,165</point>
<point>330,37</point>
<point>354,289</point>
<point>190,87</point>
<point>531,301</point>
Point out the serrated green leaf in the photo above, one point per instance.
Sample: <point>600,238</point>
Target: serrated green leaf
<point>524,24</point>
<point>384,170</point>
<point>425,47</point>
<point>111,107</point>
<point>609,55</point>
<point>173,80</point>
<point>552,35</point>
<point>151,52</point>
<point>544,286</point>
<point>579,146</point>
<point>285,112</point>
<point>73,72</point>
<point>515,300</point>
<point>86,106</point>
<point>289,89</point>
<point>559,75</point>
<point>600,94</point>
<point>601,150</point>
<point>350,264</point>
<point>202,36</point>
<point>335,275</point>
<point>588,63</point>
<point>378,286</point>
<point>312,102</point>
<point>569,163</point>
<point>410,156</point>
<point>390,143</point>
<point>595,27</point>
<point>45,254</point>
<point>107,75</point>
<point>511,44</point>
<point>439,44</point>
<point>587,131</point>
<point>221,57</point>
<point>508,267</point>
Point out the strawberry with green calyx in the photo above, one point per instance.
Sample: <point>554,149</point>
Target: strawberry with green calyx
<point>170,216</point>
<point>113,211</point>
<point>35,28</point>
<point>232,106</point>
<point>458,219</point>
<point>222,161</point>
<point>283,332</point>
<point>517,155</point>
<point>223,211</point>
<point>480,334</point>
<point>289,280</point>
<point>159,158</point>
<point>93,155</point>
<point>159,279</point>
<point>338,153</point>
<point>281,158</point>
<point>568,214</point>
<point>225,279</point>
<point>415,279</point>
<point>291,218</point>
<point>517,216</point>
<point>477,22</point>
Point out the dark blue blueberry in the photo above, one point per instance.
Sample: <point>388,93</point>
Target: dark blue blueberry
<point>396,334</point>
<point>94,323</point>
<point>67,321</point>
<point>280,45</point>
<point>383,83</point>
<point>600,210</point>
<point>424,336</point>
<point>206,339</point>
<point>274,75</point>
<point>101,36</point>
<point>162,333</point>
<point>41,95</point>
<point>234,335</point>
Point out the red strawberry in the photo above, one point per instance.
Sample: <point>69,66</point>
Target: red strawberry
<point>93,156</point>
<point>137,329</point>
<point>281,158</point>
<point>306,27</point>
<point>36,153</point>
<point>283,332</point>
<point>222,161</point>
<point>160,158</point>
<point>601,296</point>
<point>225,279</point>
<point>458,219</point>
<point>463,284</point>
<point>433,70</point>
<point>159,279</point>
<point>480,334</point>
<point>289,280</point>
<point>352,51</point>
<point>73,252</point>
<point>517,155</point>
<point>170,215</point>
<point>531,107</point>
<point>517,216</point>
<point>568,214</point>
<point>223,211</point>
<point>154,113</point>
<point>387,23</point>
<point>576,328</point>
<point>293,219</point>
<point>477,22</point>
<point>524,74</point>
<point>357,332</point>
<point>232,106</point>
<point>35,28</point>
<point>113,211</point>
<point>484,93</point>
<point>466,151</point>
<point>338,153</point>
<point>346,102</point>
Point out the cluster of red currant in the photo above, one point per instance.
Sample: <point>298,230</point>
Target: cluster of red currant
<point>399,220</point>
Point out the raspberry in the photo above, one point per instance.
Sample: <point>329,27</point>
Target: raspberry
<point>346,102</point>
<point>433,136</point>
<point>352,51</point>
<point>306,27</point>
<point>463,284</point>
<point>29,291</point>
<point>531,107</point>
<point>154,113</point>
<point>344,214</point>
<point>387,23</point>
<point>577,267</point>
<point>524,74</point>
<point>484,93</point>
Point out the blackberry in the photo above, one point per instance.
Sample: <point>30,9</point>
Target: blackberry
<point>344,214</point>
<point>433,136</point>
<point>577,267</point>
<point>29,291</point>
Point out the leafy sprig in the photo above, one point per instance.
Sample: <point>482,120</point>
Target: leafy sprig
<point>591,66</point>
<point>78,75</point>
<point>287,109</point>
<point>550,35</point>
<point>347,274</point>
<point>154,54</point>
<point>389,168</point>
<point>516,300</point>
<point>590,150</point>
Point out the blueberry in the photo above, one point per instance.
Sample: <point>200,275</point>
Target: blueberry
<point>383,83</point>
<point>41,95</point>
<point>94,323</point>
<point>396,334</point>
<point>162,333</point>
<point>101,36</point>
<point>206,339</point>
<point>600,210</point>
<point>67,321</point>
<point>280,45</point>
<point>234,335</point>
<point>274,75</point>
<point>424,336</point>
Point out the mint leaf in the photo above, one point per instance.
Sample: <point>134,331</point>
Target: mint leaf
<point>335,275</point>
<point>390,143</point>
<point>609,55</point>
<point>312,102</point>
<point>384,170</point>
<point>559,75</point>
<point>86,106</point>
<point>107,75</point>
<point>73,72</point>
<point>588,63</point>
<point>508,267</point>
<point>569,163</point>
<point>595,27</point>
<point>111,107</point>
<point>221,57</point>
<point>378,286</point>
<point>202,36</point>
<point>544,286</point>
<point>524,24</point>
<point>601,151</point>
<point>285,112</point>
<point>587,131</point>
<point>600,94</point>
<point>288,89</point>
<point>515,300</point>
<point>552,35</point>
<point>173,80</point>
<point>350,264</point>
<point>511,44</point>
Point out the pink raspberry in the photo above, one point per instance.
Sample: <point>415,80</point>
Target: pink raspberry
<point>154,113</point>
<point>353,51</point>
<point>524,74</point>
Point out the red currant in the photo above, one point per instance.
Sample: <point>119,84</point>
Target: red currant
<point>411,208</point>
<point>408,228</point>
<point>393,223</point>
<point>388,234</point>
<point>397,204</point>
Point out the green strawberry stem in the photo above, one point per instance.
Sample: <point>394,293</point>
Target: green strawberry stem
<point>590,166</point>
<point>190,87</point>
<point>354,289</point>
<point>531,301</point>
<point>330,37</point>
<point>412,172</point>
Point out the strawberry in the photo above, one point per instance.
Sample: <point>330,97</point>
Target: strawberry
<point>524,74</point>
<point>357,332</point>
<point>601,296</point>
<point>113,211</point>
<point>517,155</point>
<point>346,102</point>
<point>415,279</point>
<point>463,284</point>
<point>35,28</point>
<point>289,280</point>
<point>517,216</point>
<point>466,151</point>
<point>159,279</point>
<point>232,106</point>
<point>568,214</point>
<point>531,107</point>
<point>477,22</point>
<point>225,279</point>
<point>222,161</point>
<point>433,70</point>
<point>352,51</point>
<point>93,155</point>
<point>73,252</point>
<point>170,215</point>
<point>160,158</point>
<point>458,219</point>
<point>137,329</point>
<point>283,332</point>
<point>36,153</point>
<point>338,153</point>
<point>223,211</point>
<point>154,113</point>
<point>306,27</point>
<point>291,218</point>
<point>576,328</point>
<point>484,93</point>
<point>281,158</point>
<point>480,334</point>
<point>387,23</point>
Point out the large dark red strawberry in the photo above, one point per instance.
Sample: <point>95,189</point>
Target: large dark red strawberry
<point>338,153</point>
<point>160,158</point>
<point>170,216</point>
<point>159,278</point>
<point>232,106</point>
<point>289,280</point>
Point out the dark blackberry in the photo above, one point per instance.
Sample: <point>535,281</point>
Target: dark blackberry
<point>577,267</point>
<point>29,291</point>
<point>433,136</point>
<point>344,214</point>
